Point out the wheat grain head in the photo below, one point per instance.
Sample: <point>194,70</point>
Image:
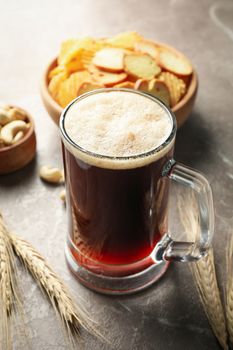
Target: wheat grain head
<point>73,317</point>
<point>204,272</point>
<point>229,289</point>
<point>10,301</point>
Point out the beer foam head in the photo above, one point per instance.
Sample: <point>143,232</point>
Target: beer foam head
<point>117,124</point>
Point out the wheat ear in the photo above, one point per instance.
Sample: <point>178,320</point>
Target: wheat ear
<point>205,278</point>
<point>229,290</point>
<point>204,272</point>
<point>9,292</point>
<point>71,315</point>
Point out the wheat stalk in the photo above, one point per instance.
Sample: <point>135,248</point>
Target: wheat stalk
<point>204,272</point>
<point>9,292</point>
<point>71,315</point>
<point>205,278</point>
<point>229,290</point>
<point>6,291</point>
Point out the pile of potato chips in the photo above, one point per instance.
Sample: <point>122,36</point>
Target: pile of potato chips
<point>126,60</point>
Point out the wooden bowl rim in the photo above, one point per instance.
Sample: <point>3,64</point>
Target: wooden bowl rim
<point>27,136</point>
<point>192,87</point>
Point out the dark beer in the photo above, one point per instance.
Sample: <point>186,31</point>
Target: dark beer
<point>117,210</point>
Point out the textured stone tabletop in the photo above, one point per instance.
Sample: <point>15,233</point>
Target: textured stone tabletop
<point>169,314</point>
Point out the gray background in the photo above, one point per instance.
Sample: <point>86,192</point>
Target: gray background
<point>169,314</point>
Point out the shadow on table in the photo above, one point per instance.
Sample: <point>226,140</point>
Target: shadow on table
<point>194,142</point>
<point>19,177</point>
<point>167,315</point>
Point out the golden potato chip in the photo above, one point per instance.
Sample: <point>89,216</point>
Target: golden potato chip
<point>155,87</point>
<point>74,65</point>
<point>108,79</point>
<point>87,55</point>
<point>148,47</point>
<point>87,58</point>
<point>141,66</point>
<point>125,40</point>
<point>55,82</point>
<point>72,49</point>
<point>109,59</point>
<point>174,62</point>
<point>87,64</point>
<point>92,68</point>
<point>67,47</point>
<point>88,86</point>
<point>68,89</point>
<point>125,84</point>
<point>55,71</point>
<point>142,85</point>
<point>82,58</point>
<point>175,85</point>
<point>159,89</point>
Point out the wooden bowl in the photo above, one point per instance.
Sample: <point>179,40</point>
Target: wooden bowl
<point>181,110</point>
<point>19,154</point>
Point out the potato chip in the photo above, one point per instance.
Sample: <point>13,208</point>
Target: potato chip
<point>89,52</point>
<point>175,85</point>
<point>125,84</point>
<point>88,86</point>
<point>55,71</point>
<point>87,64</point>
<point>159,89</point>
<point>155,87</point>
<point>148,47</point>
<point>125,40</point>
<point>142,85</point>
<point>82,58</point>
<point>74,65</point>
<point>72,49</point>
<point>68,89</point>
<point>92,68</point>
<point>141,66</point>
<point>108,79</point>
<point>87,56</point>
<point>55,82</point>
<point>109,59</point>
<point>174,62</point>
<point>67,47</point>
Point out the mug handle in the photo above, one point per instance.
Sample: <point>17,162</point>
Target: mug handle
<point>170,250</point>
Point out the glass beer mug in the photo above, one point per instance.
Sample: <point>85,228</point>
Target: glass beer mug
<point>118,240</point>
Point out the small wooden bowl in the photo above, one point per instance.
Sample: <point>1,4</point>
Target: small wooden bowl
<point>19,154</point>
<point>181,110</point>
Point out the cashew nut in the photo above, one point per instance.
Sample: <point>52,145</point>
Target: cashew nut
<point>52,175</point>
<point>4,117</point>
<point>17,114</point>
<point>9,130</point>
<point>18,136</point>
<point>63,195</point>
<point>10,113</point>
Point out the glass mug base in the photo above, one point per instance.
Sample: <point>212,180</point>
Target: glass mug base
<point>115,285</point>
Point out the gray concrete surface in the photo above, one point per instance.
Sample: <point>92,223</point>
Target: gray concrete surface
<point>169,314</point>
